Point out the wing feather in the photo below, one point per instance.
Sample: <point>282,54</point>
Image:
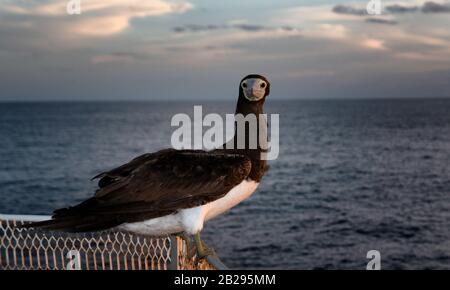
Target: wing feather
<point>154,185</point>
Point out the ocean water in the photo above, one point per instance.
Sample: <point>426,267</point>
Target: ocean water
<point>352,176</point>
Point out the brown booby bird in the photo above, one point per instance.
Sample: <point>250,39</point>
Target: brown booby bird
<point>174,191</point>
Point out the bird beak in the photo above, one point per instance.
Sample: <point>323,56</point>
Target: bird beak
<point>249,93</point>
<point>254,94</point>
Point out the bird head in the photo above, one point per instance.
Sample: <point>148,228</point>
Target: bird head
<point>254,88</point>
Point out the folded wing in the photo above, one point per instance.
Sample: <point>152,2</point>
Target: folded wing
<point>153,185</point>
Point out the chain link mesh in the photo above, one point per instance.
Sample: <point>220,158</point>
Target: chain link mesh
<point>30,249</point>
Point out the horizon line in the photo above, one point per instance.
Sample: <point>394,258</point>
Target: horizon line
<point>222,100</point>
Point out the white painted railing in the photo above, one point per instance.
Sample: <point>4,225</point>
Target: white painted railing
<point>31,249</point>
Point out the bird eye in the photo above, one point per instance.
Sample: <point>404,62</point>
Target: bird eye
<point>263,85</point>
<point>244,85</point>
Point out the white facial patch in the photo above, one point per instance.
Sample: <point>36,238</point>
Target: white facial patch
<point>254,89</point>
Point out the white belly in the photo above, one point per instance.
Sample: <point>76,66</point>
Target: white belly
<point>191,220</point>
<point>236,195</point>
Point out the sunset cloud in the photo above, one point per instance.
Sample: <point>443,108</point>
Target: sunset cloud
<point>375,44</point>
<point>98,17</point>
<point>427,7</point>
<point>130,48</point>
<point>240,26</point>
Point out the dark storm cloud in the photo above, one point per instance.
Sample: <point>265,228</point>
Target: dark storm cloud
<point>381,21</point>
<point>213,27</point>
<point>427,7</point>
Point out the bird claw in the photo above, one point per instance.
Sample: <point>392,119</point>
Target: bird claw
<point>201,255</point>
<point>194,250</point>
<point>207,251</point>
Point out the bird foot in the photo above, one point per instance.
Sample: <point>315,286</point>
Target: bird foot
<point>205,251</point>
<point>197,248</point>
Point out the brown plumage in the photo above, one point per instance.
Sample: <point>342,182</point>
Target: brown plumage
<point>153,185</point>
<point>162,183</point>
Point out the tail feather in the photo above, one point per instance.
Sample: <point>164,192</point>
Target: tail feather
<point>74,224</point>
<point>77,210</point>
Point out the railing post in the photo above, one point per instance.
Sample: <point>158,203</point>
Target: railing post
<point>173,265</point>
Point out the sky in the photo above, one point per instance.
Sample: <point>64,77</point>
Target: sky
<point>199,49</point>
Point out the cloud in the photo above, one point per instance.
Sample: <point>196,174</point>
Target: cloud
<point>335,48</point>
<point>399,9</point>
<point>375,44</point>
<point>107,58</point>
<point>243,27</point>
<point>198,28</point>
<point>393,9</point>
<point>232,40</point>
<point>98,17</point>
<point>305,73</point>
<point>328,31</point>
<point>427,7</point>
<point>249,27</point>
<point>131,8</point>
<point>381,21</point>
<point>122,57</point>
<point>348,10</point>
<point>405,34</point>
<point>419,56</point>
<point>433,7</point>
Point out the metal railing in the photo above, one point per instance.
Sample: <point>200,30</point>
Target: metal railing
<point>33,249</point>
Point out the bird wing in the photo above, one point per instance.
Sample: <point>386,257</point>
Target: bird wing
<point>154,185</point>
